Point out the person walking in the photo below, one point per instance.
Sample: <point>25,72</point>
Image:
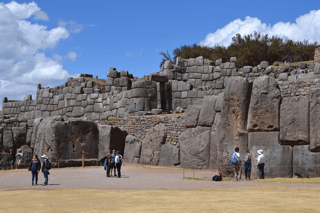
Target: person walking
<point>118,161</point>
<point>107,164</point>
<point>12,157</point>
<point>236,162</point>
<point>35,167</point>
<point>113,165</point>
<point>247,164</point>
<point>261,163</point>
<point>46,166</point>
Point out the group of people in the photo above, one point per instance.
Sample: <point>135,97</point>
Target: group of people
<point>113,163</point>
<point>13,157</point>
<point>35,167</point>
<point>236,162</point>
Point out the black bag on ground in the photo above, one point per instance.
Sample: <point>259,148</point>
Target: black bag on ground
<point>217,178</point>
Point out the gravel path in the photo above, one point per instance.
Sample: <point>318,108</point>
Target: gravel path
<point>133,178</point>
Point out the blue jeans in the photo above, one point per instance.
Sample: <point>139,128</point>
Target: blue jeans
<point>46,173</point>
<point>34,176</point>
<point>261,170</point>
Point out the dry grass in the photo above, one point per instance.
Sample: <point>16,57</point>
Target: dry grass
<point>293,63</point>
<point>256,199</point>
<point>98,81</point>
<point>289,180</point>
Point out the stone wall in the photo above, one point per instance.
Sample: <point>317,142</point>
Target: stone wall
<point>317,55</point>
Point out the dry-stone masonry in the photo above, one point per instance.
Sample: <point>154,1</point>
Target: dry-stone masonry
<point>192,113</point>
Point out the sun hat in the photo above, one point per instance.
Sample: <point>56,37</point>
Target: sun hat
<point>44,156</point>
<point>260,152</point>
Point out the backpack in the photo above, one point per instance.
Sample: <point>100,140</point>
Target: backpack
<point>246,159</point>
<point>217,178</point>
<point>234,158</point>
<point>120,158</point>
<point>47,165</point>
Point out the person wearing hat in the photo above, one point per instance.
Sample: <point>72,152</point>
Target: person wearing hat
<point>118,161</point>
<point>46,166</point>
<point>19,157</point>
<point>261,163</point>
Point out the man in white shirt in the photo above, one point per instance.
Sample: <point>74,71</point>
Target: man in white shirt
<point>236,163</point>
<point>261,163</point>
<point>118,162</point>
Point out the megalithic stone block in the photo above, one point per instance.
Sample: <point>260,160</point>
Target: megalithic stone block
<point>278,158</point>
<point>264,105</point>
<point>314,119</point>
<point>305,163</point>
<point>207,112</point>
<point>294,121</point>
<point>214,142</point>
<point>233,118</point>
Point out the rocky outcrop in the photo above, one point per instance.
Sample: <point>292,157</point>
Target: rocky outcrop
<point>152,143</point>
<point>233,118</point>
<point>207,112</point>
<point>264,105</point>
<point>194,147</point>
<point>192,115</point>
<point>214,143</point>
<point>294,121</point>
<point>166,155</point>
<point>104,141</point>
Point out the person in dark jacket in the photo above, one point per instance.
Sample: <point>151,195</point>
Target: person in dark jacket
<point>247,164</point>
<point>107,164</point>
<point>44,169</point>
<point>35,167</point>
<point>113,165</point>
<point>118,161</point>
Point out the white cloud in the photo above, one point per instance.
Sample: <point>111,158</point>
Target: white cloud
<point>72,56</point>
<point>128,54</point>
<point>23,64</point>
<point>140,53</point>
<point>40,15</point>
<point>72,26</point>
<point>306,27</point>
<point>57,57</point>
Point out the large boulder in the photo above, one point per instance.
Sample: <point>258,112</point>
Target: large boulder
<point>104,140</point>
<point>214,143</point>
<point>36,124</point>
<point>192,115</point>
<point>207,112</point>
<point>19,136</point>
<point>194,147</point>
<point>278,158</point>
<point>314,119</point>
<point>294,121</point>
<point>219,102</point>
<point>26,157</point>
<point>132,149</point>
<point>4,161</point>
<point>233,118</point>
<point>7,140</point>
<point>264,105</point>
<point>305,163</point>
<point>152,143</point>
<point>166,155</point>
<point>61,140</point>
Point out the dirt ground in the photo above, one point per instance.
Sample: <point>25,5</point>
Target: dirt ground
<point>153,189</point>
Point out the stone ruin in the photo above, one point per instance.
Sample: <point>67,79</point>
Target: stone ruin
<point>191,114</point>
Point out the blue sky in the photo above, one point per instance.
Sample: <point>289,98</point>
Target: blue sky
<point>89,37</point>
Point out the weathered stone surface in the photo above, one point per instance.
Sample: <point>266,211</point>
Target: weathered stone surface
<point>191,116</point>
<point>317,68</point>
<point>36,123</point>
<point>207,112</point>
<point>60,139</point>
<point>194,147</point>
<point>29,137</point>
<point>26,157</point>
<point>7,140</point>
<point>166,155</point>
<point>294,121</point>
<point>156,111</point>
<point>152,143</point>
<point>264,105</point>
<point>132,149</point>
<point>176,155</point>
<point>305,163</point>
<point>104,141</point>
<point>19,136</point>
<point>278,158</point>
<point>214,142</point>
<point>233,118</point>
<point>4,161</point>
<point>314,119</point>
<point>78,111</point>
<point>219,101</point>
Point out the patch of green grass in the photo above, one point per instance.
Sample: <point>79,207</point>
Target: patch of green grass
<point>289,180</point>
